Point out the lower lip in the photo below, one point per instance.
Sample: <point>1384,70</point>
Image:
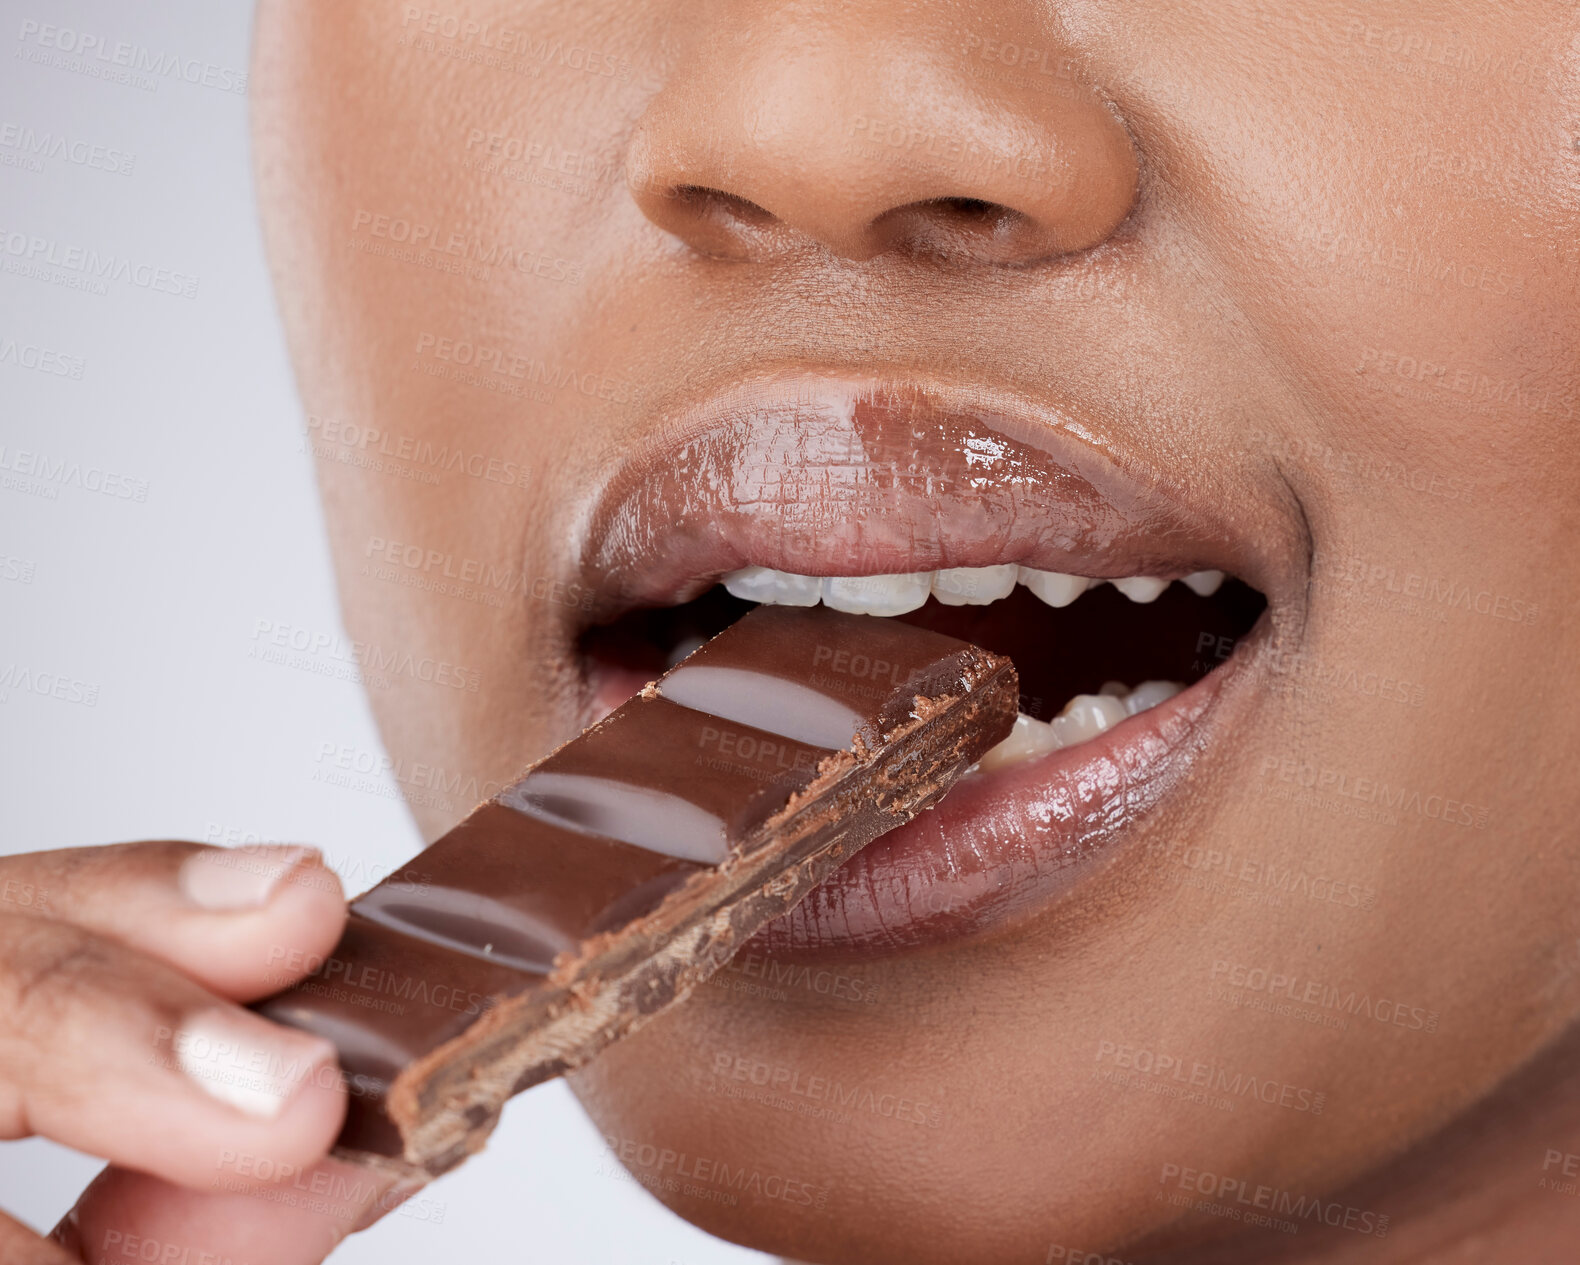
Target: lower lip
<point>1005,846</point>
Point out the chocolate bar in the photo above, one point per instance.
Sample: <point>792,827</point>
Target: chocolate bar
<point>618,873</point>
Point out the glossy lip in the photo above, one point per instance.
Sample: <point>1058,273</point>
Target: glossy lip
<point>1008,845</point>
<point>825,475</point>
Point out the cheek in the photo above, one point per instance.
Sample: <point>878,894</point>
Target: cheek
<point>1415,249</point>
<point>442,265</point>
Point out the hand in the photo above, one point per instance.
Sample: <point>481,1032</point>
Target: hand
<point>120,1035</point>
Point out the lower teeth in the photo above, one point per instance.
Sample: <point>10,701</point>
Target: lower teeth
<point>1084,716</point>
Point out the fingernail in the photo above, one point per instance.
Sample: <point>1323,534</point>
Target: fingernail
<point>248,1063</point>
<point>239,878</point>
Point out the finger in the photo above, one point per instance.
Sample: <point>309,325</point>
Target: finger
<point>124,1216</point>
<point>117,1054</point>
<point>20,1246</point>
<point>244,922</point>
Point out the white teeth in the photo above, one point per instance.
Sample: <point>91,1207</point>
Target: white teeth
<point>1150,694</point>
<point>974,586</point>
<point>1029,739</point>
<point>775,588</point>
<point>877,594</point>
<point>1053,587</point>
<point>953,586</point>
<point>1087,715</point>
<point>1140,588</point>
<point>1084,716</point>
<point>1203,583</point>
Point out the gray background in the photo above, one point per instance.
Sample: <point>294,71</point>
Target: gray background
<point>153,605</point>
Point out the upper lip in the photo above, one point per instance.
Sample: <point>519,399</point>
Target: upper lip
<point>829,473</point>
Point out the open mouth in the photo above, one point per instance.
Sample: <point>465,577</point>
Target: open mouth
<point>1090,652</point>
<point>1125,614</point>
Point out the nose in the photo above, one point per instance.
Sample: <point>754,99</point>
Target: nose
<point>868,127</point>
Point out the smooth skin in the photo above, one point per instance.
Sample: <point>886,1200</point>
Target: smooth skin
<point>1315,261</point>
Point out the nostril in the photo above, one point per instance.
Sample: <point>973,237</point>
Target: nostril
<point>715,204</point>
<point>973,217</point>
<point>963,229</point>
<point>969,210</point>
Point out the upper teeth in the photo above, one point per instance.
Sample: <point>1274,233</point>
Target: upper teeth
<point>956,586</point>
<point>877,594</point>
<point>1054,587</point>
<point>974,586</point>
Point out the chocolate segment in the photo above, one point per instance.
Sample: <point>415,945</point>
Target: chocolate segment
<point>813,675</point>
<point>618,873</point>
<point>518,891</point>
<point>667,778</point>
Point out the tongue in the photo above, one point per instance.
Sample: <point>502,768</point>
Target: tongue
<point>613,685</point>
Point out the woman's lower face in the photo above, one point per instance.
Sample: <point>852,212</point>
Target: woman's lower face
<point>593,305</point>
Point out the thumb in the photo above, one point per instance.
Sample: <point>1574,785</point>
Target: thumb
<point>129,1218</point>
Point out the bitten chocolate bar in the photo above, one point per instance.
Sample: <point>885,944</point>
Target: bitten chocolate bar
<point>621,871</point>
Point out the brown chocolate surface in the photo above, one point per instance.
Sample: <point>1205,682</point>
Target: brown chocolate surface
<point>518,891</point>
<point>619,872</point>
<point>818,675</point>
<point>668,779</point>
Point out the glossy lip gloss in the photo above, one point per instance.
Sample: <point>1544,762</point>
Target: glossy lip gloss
<point>829,476</point>
<point>1006,845</point>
